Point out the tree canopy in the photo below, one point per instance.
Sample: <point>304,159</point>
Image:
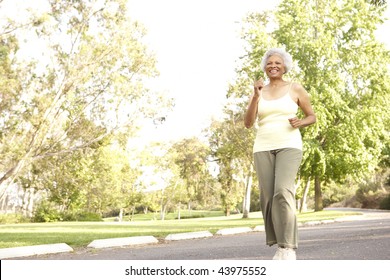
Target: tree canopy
<point>85,89</point>
<point>336,59</point>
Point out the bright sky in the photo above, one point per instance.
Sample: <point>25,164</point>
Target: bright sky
<point>197,44</point>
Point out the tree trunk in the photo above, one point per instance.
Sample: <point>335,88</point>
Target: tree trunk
<point>4,203</point>
<point>303,207</point>
<point>318,194</point>
<point>163,210</point>
<point>132,213</point>
<point>178,213</point>
<point>120,218</point>
<point>189,208</point>
<point>30,202</point>
<point>247,198</point>
<point>25,200</point>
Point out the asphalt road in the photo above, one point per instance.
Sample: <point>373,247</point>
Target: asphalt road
<point>367,238</point>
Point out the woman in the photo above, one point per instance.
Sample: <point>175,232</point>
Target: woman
<point>278,148</point>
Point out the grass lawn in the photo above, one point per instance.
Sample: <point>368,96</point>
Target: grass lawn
<point>80,234</point>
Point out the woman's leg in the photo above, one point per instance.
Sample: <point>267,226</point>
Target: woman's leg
<point>287,164</point>
<point>265,170</point>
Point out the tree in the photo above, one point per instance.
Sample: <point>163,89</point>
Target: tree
<point>378,2</point>
<point>160,178</point>
<point>337,51</point>
<point>230,150</point>
<point>87,181</point>
<point>191,159</point>
<point>87,87</point>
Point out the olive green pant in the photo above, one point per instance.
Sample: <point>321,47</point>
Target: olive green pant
<point>276,171</point>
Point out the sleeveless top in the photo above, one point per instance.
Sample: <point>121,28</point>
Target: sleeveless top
<point>273,127</point>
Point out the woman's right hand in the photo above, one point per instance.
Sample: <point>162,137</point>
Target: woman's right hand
<point>258,86</point>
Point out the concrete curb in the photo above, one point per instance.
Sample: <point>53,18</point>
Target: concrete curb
<point>312,223</point>
<point>228,231</point>
<point>324,222</point>
<point>259,228</point>
<point>125,241</point>
<point>188,235</point>
<point>27,251</point>
<point>348,218</point>
<point>316,223</point>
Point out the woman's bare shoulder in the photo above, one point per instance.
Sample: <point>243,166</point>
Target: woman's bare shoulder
<point>298,88</point>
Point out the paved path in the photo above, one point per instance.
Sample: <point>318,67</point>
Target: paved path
<point>364,237</point>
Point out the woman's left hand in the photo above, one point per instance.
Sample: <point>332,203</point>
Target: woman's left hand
<point>295,122</point>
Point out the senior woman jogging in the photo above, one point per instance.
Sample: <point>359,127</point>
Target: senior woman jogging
<point>278,148</point>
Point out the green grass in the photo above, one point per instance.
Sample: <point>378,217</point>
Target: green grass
<point>80,234</point>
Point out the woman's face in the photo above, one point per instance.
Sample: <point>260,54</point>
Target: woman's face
<point>275,67</point>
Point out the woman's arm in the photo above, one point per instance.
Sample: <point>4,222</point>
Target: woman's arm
<point>251,112</point>
<point>303,101</point>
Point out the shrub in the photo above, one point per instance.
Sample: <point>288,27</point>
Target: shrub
<point>370,193</point>
<point>13,219</point>
<point>89,217</point>
<point>46,212</point>
<point>81,217</point>
<point>385,203</point>
<point>370,199</point>
<point>191,217</point>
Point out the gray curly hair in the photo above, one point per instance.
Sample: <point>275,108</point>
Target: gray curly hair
<point>287,59</point>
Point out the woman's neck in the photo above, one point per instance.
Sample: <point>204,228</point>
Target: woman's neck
<point>276,83</point>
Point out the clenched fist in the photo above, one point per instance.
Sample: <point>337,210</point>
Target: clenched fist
<point>258,85</point>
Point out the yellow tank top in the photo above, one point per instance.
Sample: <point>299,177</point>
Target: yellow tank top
<point>273,128</point>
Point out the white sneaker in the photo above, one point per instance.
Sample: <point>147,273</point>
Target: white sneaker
<point>288,254</point>
<point>285,254</point>
<point>278,254</point>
